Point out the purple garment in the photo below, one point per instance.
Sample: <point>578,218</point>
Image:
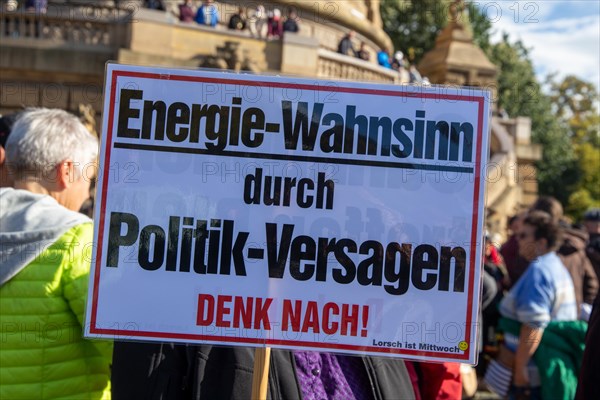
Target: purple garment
<point>330,376</point>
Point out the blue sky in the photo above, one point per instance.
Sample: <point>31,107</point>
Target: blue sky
<point>564,36</point>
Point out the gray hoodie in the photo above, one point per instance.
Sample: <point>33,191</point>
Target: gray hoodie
<point>29,224</point>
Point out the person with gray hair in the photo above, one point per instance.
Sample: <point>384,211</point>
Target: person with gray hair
<point>45,262</point>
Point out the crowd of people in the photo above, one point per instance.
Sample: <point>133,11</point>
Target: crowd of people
<point>37,6</point>
<point>45,252</point>
<point>271,24</point>
<point>262,23</point>
<point>255,18</point>
<point>407,73</point>
<point>539,290</point>
<point>544,284</point>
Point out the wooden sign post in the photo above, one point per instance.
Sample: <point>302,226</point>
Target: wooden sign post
<point>260,377</point>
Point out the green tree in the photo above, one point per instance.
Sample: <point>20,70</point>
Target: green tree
<point>575,102</point>
<point>589,162</point>
<point>573,97</point>
<point>481,27</point>
<point>579,201</point>
<point>520,94</point>
<point>413,26</point>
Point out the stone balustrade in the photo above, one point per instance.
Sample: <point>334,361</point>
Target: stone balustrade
<point>87,25</point>
<point>338,66</point>
<point>57,59</point>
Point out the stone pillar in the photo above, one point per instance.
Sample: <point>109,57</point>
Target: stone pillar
<point>299,55</point>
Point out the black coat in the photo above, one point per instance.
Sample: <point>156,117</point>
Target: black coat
<point>589,374</point>
<point>345,47</point>
<point>167,371</point>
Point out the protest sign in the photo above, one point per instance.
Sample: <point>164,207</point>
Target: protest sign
<point>253,210</point>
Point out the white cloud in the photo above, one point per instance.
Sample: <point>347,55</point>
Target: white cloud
<point>566,45</point>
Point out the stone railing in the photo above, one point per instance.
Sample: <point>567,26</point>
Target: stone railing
<point>338,66</point>
<point>85,25</point>
<point>501,173</point>
<point>503,195</point>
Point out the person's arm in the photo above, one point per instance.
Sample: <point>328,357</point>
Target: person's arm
<point>529,340</point>
<point>216,17</point>
<point>489,289</point>
<point>590,281</point>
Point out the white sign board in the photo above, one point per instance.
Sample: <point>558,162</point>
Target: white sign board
<point>266,211</point>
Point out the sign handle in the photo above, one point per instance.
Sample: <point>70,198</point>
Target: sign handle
<point>260,377</point>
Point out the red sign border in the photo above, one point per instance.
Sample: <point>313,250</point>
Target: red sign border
<point>115,74</point>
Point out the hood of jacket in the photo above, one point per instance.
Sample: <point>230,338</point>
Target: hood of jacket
<point>29,224</point>
<point>573,240</point>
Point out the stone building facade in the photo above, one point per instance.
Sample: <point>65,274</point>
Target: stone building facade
<point>57,59</point>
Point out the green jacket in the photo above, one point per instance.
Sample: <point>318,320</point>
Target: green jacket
<point>558,357</point>
<point>43,354</point>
